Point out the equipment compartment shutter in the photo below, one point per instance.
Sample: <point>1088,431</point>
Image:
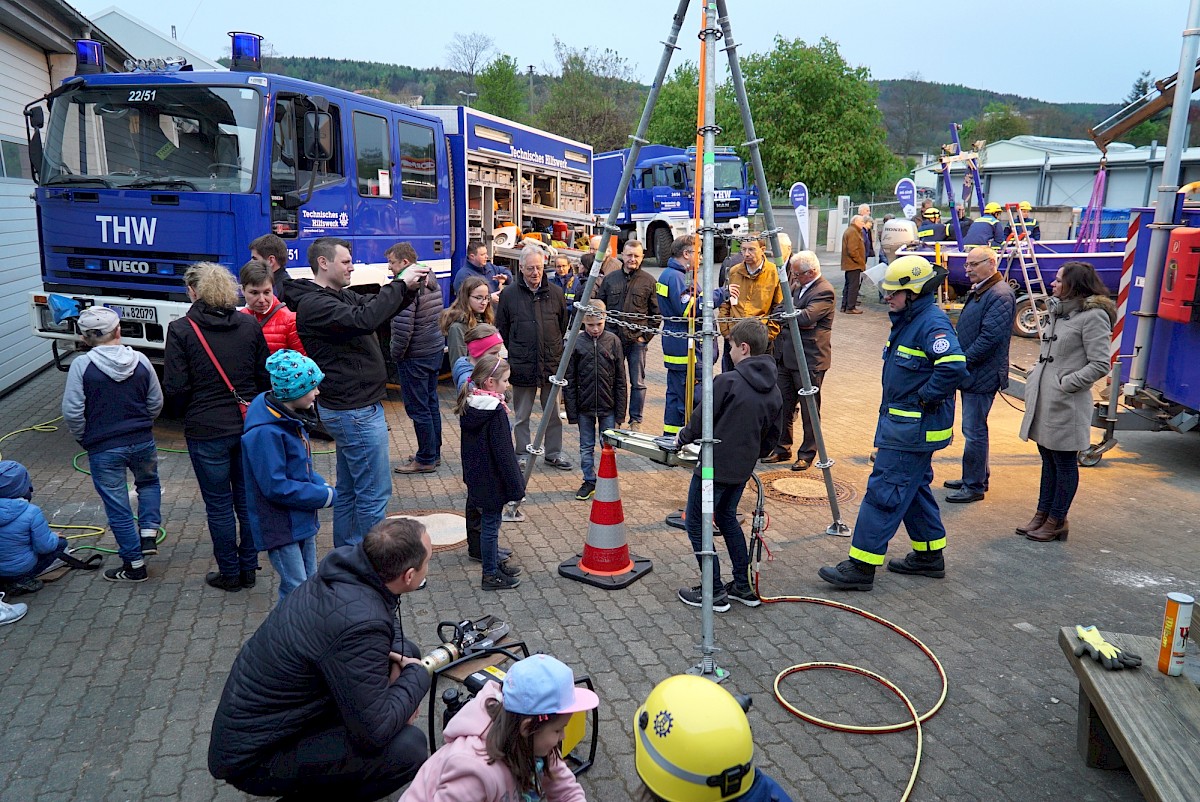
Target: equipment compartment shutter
<point>26,78</point>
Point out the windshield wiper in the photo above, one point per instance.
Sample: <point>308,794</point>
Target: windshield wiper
<point>143,183</point>
<point>67,178</point>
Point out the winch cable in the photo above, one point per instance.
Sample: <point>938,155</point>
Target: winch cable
<point>757,546</point>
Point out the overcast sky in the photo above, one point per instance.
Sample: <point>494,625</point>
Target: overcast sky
<point>1052,49</point>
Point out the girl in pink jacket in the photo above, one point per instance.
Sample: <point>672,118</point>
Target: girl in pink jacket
<point>503,746</point>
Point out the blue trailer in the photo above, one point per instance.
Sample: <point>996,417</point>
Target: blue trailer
<point>659,203</point>
<point>507,173</point>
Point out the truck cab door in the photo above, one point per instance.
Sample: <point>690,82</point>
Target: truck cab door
<point>670,185</point>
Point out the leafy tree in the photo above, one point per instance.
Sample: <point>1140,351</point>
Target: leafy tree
<point>1154,129</point>
<point>1141,87</point>
<point>673,121</point>
<point>467,52</point>
<point>500,89</point>
<point>997,121</point>
<point>817,117</point>
<point>594,99</point>
<point>907,112</point>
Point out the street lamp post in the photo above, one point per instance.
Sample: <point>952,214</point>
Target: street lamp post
<point>468,96</point>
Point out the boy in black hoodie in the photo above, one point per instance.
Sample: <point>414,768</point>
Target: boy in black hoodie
<point>746,404</point>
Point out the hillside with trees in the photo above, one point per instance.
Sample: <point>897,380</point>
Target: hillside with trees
<point>591,95</point>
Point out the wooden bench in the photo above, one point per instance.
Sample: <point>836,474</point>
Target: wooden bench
<point>1139,719</point>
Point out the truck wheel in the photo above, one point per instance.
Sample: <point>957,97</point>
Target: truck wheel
<point>662,245</point>
<point>1025,324</point>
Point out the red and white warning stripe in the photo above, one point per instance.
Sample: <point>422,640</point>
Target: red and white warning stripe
<point>1135,227</point>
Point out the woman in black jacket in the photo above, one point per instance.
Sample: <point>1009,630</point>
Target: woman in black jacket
<point>212,413</point>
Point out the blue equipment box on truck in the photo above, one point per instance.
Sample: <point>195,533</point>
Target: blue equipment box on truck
<point>505,172</point>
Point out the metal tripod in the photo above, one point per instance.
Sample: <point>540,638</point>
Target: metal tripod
<point>711,34</point>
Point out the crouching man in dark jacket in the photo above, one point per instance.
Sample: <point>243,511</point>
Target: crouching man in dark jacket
<point>322,696</point>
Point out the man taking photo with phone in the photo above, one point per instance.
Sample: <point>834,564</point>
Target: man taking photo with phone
<point>337,327</point>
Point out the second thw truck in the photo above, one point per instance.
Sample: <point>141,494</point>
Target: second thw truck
<point>659,203</point>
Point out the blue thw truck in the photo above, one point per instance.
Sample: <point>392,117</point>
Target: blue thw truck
<point>142,174</point>
<point>659,203</point>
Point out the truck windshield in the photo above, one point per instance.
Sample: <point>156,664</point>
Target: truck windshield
<point>728,174</point>
<point>154,137</point>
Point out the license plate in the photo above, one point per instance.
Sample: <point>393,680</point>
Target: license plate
<point>142,314</point>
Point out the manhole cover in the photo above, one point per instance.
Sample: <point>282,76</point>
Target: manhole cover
<point>447,529</point>
<point>796,487</point>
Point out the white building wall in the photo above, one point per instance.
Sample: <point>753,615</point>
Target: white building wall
<point>26,78</point>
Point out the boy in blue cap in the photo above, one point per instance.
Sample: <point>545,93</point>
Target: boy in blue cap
<point>27,546</point>
<point>283,491</point>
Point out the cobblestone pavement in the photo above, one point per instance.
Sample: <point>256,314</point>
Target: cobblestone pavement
<point>108,691</point>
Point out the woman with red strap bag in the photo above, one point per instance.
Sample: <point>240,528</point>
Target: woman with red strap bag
<point>215,364</point>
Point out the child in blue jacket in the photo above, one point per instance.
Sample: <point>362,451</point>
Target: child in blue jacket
<point>27,546</point>
<point>283,492</point>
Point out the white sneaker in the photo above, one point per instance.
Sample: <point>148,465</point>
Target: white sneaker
<point>11,612</point>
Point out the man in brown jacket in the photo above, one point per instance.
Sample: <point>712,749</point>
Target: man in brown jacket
<point>753,291</point>
<point>854,262</point>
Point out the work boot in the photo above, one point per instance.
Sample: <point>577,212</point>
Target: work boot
<point>920,563</point>
<point>1051,529</point>
<point>849,575</point>
<point>1038,519</point>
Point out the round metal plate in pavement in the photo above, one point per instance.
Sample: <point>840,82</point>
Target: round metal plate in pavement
<point>803,487</point>
<point>447,529</point>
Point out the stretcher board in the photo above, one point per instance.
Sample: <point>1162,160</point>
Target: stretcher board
<point>643,445</point>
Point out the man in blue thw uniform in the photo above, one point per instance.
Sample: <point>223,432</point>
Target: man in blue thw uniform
<point>922,366</point>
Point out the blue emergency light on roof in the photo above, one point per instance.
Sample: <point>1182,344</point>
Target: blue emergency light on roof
<point>246,52</point>
<point>717,149</point>
<point>89,57</point>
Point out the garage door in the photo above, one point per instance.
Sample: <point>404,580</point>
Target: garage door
<point>26,78</point>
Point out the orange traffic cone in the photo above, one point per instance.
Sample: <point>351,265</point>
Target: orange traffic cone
<point>606,561</point>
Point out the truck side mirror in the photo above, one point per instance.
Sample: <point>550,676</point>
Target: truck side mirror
<point>36,117</point>
<point>317,138</point>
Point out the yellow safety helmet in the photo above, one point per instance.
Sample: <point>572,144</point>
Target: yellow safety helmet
<point>931,213</point>
<point>909,272</point>
<point>1025,206</point>
<point>692,742</point>
<point>993,208</point>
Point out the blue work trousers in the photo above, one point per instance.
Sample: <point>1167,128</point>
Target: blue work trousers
<point>898,492</point>
<point>975,469</point>
<point>364,476</point>
<point>676,405</point>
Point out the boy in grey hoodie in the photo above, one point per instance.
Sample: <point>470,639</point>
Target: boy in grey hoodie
<point>110,402</point>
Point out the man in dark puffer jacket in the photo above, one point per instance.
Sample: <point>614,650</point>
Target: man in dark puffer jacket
<point>322,696</point>
<point>417,349</point>
<point>532,319</point>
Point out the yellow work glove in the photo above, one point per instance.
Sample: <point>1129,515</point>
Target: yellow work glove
<point>1102,651</point>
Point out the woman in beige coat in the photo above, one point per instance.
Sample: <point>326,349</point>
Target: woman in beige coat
<point>1058,397</point>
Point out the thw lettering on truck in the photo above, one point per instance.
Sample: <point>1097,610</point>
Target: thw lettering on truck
<point>126,229</point>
